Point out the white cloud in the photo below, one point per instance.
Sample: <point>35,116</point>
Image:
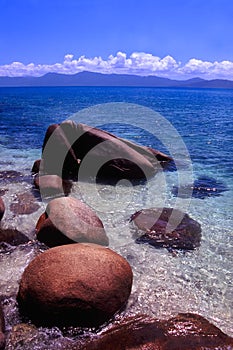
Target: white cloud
<point>139,63</point>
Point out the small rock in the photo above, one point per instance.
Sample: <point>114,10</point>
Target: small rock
<point>2,329</point>
<point>68,220</point>
<point>20,335</point>
<point>52,185</point>
<point>2,208</point>
<point>167,227</point>
<point>25,204</point>
<point>4,191</point>
<point>12,236</point>
<point>36,166</point>
<point>77,284</point>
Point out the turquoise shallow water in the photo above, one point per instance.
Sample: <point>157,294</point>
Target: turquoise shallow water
<point>198,281</point>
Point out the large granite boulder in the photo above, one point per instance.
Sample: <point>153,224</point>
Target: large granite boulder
<point>79,284</point>
<point>86,152</point>
<point>183,332</point>
<point>167,227</point>
<point>2,329</point>
<point>2,208</point>
<point>68,220</point>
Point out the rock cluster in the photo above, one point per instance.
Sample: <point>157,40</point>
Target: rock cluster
<point>79,281</point>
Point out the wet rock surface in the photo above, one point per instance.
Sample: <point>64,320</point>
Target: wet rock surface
<point>68,220</point>
<point>36,166</point>
<point>2,328</point>
<point>22,334</point>
<point>202,188</point>
<point>24,204</point>
<point>100,152</point>
<point>3,191</point>
<point>183,332</point>
<point>9,176</point>
<point>167,227</point>
<point>52,185</point>
<point>12,236</point>
<point>2,208</point>
<point>77,284</point>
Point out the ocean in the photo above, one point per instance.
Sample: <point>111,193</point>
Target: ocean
<point>194,126</point>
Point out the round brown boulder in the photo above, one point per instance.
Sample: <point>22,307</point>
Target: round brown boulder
<point>68,220</point>
<point>77,284</point>
<point>2,208</point>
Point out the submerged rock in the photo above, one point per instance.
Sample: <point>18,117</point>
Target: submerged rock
<point>86,152</point>
<point>20,335</point>
<point>2,329</point>
<point>2,208</point>
<point>78,284</point>
<point>68,220</point>
<point>167,227</point>
<point>183,332</point>
<point>202,188</point>
<point>9,176</point>
<point>3,191</point>
<point>24,204</point>
<point>12,236</point>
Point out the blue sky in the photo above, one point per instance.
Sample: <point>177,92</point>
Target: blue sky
<point>179,38</point>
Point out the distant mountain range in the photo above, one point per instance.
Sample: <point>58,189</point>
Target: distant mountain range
<point>99,79</point>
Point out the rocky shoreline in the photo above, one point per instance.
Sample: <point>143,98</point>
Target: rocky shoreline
<point>78,280</point>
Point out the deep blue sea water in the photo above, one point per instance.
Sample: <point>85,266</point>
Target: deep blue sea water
<point>199,281</point>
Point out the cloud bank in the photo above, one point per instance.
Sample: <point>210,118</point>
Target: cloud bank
<point>139,63</point>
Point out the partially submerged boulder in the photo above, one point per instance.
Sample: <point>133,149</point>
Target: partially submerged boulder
<point>140,332</point>
<point>68,220</point>
<point>77,284</point>
<point>86,152</point>
<point>167,227</point>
